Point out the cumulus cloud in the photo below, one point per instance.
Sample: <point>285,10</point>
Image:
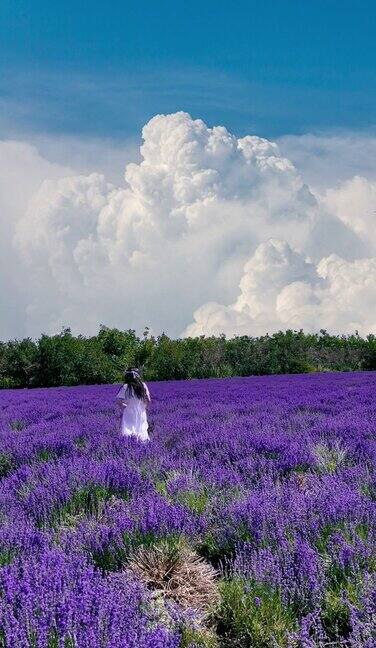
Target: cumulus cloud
<point>327,159</point>
<point>203,219</point>
<point>22,170</point>
<point>281,289</point>
<point>354,203</point>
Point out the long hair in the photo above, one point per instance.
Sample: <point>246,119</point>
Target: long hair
<point>135,386</point>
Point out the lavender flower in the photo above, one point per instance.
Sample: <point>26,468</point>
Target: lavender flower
<point>272,479</point>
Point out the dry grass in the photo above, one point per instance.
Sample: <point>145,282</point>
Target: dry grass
<point>178,573</point>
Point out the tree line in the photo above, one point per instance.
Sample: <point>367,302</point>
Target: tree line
<point>67,359</point>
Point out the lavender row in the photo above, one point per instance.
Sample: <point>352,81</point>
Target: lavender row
<point>271,480</point>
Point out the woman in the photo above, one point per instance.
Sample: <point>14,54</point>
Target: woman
<point>133,399</point>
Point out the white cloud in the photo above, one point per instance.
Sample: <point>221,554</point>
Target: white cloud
<point>22,170</point>
<point>281,289</point>
<point>191,221</point>
<point>24,167</point>
<point>327,159</point>
<point>354,203</point>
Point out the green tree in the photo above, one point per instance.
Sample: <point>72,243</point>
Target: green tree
<point>65,359</point>
<point>18,363</point>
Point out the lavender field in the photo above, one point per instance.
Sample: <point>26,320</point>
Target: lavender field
<point>248,521</point>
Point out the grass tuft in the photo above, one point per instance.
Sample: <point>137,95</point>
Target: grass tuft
<point>329,459</point>
<point>195,501</point>
<point>193,638</point>
<point>17,425</point>
<point>252,615</point>
<point>6,464</point>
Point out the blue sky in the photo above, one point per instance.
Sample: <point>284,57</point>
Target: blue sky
<point>104,69</point>
<point>78,81</point>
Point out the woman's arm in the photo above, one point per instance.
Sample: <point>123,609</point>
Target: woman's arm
<point>120,406</point>
<point>147,395</point>
<point>120,401</point>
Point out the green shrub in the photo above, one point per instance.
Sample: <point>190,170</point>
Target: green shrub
<point>6,382</point>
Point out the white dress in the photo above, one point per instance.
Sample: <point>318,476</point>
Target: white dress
<point>134,420</point>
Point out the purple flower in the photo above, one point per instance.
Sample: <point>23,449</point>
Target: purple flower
<point>271,478</point>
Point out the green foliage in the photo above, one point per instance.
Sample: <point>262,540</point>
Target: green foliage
<point>161,488</point>
<point>87,501</point>
<point>196,501</point>
<point>18,363</point>
<point>45,455</point>
<point>329,459</point>
<point>6,464</point>
<point>55,642</point>
<point>7,383</point>
<point>6,557</point>
<point>343,583</point>
<point>368,362</point>
<point>216,549</point>
<point>326,534</point>
<point>335,614</point>
<point>17,425</point>
<point>65,359</point>
<point>113,558</point>
<point>80,442</point>
<point>193,638</point>
<point>252,616</point>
